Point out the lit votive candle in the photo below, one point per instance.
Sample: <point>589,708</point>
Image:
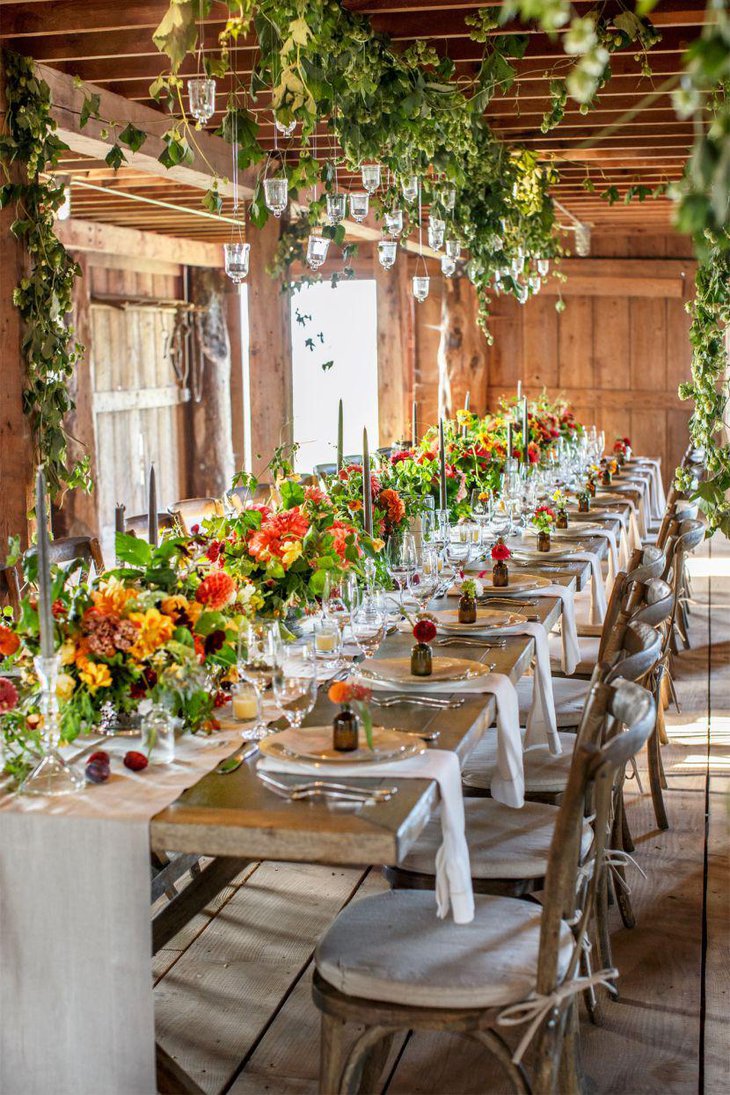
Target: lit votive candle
<point>245,702</point>
<point>327,636</point>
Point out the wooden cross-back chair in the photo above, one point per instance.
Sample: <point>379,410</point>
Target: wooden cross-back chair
<point>138,524</point>
<point>66,550</point>
<point>388,964</point>
<point>193,511</point>
<point>684,536</point>
<point>10,589</point>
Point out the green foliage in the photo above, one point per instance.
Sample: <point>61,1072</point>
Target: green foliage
<point>710,386</point>
<point>44,295</point>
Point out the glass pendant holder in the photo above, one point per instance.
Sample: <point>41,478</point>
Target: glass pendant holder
<point>52,775</point>
<point>409,187</point>
<point>543,267</point>
<point>582,240</point>
<point>521,291</point>
<point>387,253</point>
<point>394,222</point>
<point>453,249</point>
<point>421,287</point>
<point>370,173</point>
<point>448,266</point>
<point>317,248</point>
<point>359,206</point>
<point>436,233</point>
<point>336,208</point>
<point>534,283</point>
<point>285,130</point>
<point>276,195</point>
<point>201,98</point>
<point>236,256</point>
<point>447,198</point>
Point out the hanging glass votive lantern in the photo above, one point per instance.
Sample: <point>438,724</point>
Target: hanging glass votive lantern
<point>394,222</point>
<point>370,173</point>
<point>409,186</point>
<point>436,232</point>
<point>534,283</point>
<point>201,98</point>
<point>517,264</point>
<point>543,267</point>
<point>498,280</point>
<point>448,266</point>
<point>276,195</point>
<point>359,206</point>
<point>387,253</point>
<point>317,248</point>
<point>453,249</point>
<point>285,130</point>
<point>447,198</point>
<point>521,291</point>
<point>236,259</point>
<point>582,240</point>
<point>421,286</point>
<point>64,210</point>
<point>336,207</point>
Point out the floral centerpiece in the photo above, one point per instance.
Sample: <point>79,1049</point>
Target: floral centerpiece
<point>467,611</point>
<point>543,520</point>
<point>390,517</point>
<point>424,632</point>
<point>346,723</point>
<point>622,449</point>
<point>560,499</point>
<point>500,571</point>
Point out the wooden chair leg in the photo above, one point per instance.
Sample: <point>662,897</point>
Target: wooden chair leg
<point>605,950</point>
<point>570,1075</point>
<point>655,779</point>
<point>375,1062</point>
<point>330,1054</point>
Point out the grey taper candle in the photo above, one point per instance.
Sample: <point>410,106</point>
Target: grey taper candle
<point>119,524</point>
<point>43,555</point>
<point>152,530</point>
<point>414,423</point>
<point>340,437</point>
<point>367,492</point>
<point>509,440</point>
<point>525,431</point>
<point>442,466</point>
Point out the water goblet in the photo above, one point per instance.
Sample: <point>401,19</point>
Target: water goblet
<point>368,627</point>
<point>259,646</point>
<point>294,683</point>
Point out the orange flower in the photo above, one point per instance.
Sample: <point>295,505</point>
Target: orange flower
<point>344,692</point>
<point>111,597</point>
<point>394,505</point>
<point>9,641</point>
<point>216,591</point>
<point>276,533</point>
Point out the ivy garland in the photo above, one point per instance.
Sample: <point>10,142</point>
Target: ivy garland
<point>710,386</point>
<point>44,295</point>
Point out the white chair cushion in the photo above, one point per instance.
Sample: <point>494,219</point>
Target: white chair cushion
<point>392,947</point>
<point>588,646</point>
<point>570,697</point>
<point>503,842</point>
<point>543,770</point>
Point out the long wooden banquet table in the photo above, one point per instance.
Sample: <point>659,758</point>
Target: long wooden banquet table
<point>234,819</point>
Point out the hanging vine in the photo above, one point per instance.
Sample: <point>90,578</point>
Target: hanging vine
<point>43,296</point>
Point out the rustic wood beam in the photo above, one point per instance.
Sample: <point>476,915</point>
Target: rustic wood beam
<point>395,310</point>
<point>211,464</point>
<point>462,352</point>
<point>587,286</point>
<point>91,236</point>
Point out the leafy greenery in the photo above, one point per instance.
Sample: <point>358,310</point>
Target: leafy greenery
<point>44,295</point>
<point>710,386</point>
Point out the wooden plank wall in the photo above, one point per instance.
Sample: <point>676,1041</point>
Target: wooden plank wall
<point>618,357</point>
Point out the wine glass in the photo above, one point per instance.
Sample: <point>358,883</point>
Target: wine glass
<point>401,558</point>
<point>368,626</point>
<point>425,579</point>
<point>259,645</point>
<point>294,682</point>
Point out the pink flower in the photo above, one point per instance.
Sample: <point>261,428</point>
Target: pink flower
<point>8,695</point>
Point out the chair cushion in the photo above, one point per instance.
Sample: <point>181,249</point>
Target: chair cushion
<point>503,843</point>
<point>392,947</point>
<point>570,697</point>
<point>543,770</point>
<point>588,646</point>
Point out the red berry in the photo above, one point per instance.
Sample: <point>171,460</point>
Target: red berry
<point>101,756</point>
<point>97,771</point>
<point>135,761</point>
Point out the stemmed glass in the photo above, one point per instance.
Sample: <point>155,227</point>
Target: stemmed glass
<point>294,683</point>
<point>339,603</point>
<point>368,626</point>
<point>401,557</point>
<point>425,579</point>
<point>259,647</point>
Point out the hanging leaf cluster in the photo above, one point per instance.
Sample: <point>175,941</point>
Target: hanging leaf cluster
<point>44,295</point>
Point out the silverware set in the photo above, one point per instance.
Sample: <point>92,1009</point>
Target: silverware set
<point>327,789</point>
<point>511,602</point>
<point>462,640</point>
<point>438,704</point>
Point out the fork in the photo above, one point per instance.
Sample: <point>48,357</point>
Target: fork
<point>457,640</point>
<point>318,788</point>
<point>418,701</point>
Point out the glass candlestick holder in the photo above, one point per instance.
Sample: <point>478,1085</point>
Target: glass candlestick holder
<point>52,775</point>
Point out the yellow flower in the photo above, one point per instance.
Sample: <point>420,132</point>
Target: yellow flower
<point>94,675</point>
<point>171,606</point>
<point>65,685</point>
<point>154,630</point>
<point>378,544</point>
<point>292,551</point>
<point>112,596</point>
<point>68,652</point>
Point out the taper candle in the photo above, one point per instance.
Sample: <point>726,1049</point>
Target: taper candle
<point>525,431</point>
<point>442,467</point>
<point>367,493</point>
<point>467,401</point>
<point>119,524</point>
<point>414,423</point>
<point>152,530</point>
<point>340,437</point>
<point>509,440</point>
<point>519,390</point>
<point>43,556</point>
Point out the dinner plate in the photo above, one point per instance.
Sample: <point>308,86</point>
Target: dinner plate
<point>570,533</point>
<point>518,583</point>
<point>312,745</point>
<point>494,619</point>
<point>561,552</point>
<point>398,671</point>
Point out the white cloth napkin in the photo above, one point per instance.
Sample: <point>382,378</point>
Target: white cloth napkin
<point>598,589</point>
<point>542,726</point>
<point>453,872</point>
<point>568,628</point>
<point>508,784</point>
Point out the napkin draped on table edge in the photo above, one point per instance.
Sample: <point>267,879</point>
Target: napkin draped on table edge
<point>453,871</point>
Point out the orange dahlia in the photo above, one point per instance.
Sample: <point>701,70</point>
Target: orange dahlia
<point>394,505</point>
<point>216,591</point>
<point>9,642</point>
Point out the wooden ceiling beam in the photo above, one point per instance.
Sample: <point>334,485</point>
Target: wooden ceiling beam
<point>81,235</point>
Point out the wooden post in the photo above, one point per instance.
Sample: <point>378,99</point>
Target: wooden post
<point>239,426</point>
<point>395,350</point>
<point>270,353</point>
<point>78,514</point>
<point>212,464</point>
<point>16,448</point>
<point>462,353</point>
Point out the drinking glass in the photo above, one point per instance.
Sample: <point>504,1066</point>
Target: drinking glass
<point>401,558</point>
<point>327,644</point>
<point>425,579</point>
<point>294,683</point>
<point>259,645</point>
<point>368,626</point>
